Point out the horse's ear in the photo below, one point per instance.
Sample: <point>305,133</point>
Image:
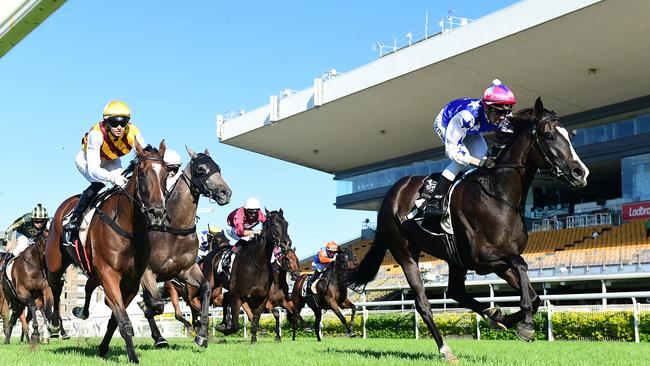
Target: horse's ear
<point>281,212</point>
<point>162,147</point>
<point>138,148</point>
<point>267,211</point>
<point>206,152</point>
<point>539,108</point>
<point>190,152</point>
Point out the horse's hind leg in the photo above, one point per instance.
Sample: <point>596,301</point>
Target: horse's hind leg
<point>276,315</point>
<point>414,278</point>
<point>84,313</point>
<point>178,314</point>
<point>458,292</point>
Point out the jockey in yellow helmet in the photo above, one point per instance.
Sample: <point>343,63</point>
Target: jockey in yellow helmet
<point>99,158</point>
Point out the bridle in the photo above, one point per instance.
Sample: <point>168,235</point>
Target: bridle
<point>137,198</point>
<point>197,181</point>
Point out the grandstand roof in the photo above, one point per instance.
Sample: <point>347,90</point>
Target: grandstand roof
<point>19,17</point>
<point>576,54</point>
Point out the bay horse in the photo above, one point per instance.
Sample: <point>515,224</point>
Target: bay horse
<point>28,288</point>
<point>252,273</point>
<point>117,249</point>
<point>487,217</point>
<point>174,247</point>
<point>331,294</point>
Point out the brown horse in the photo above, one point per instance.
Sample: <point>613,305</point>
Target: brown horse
<point>116,245</point>
<point>29,288</point>
<point>279,295</point>
<point>331,294</point>
<point>6,312</point>
<point>487,219</point>
<point>252,273</point>
<point>174,247</point>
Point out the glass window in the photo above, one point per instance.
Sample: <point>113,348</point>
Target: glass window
<point>635,171</point>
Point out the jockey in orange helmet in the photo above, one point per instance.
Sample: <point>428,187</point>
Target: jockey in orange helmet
<point>325,256</point>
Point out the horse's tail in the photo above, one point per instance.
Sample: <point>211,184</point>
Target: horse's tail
<point>369,266</point>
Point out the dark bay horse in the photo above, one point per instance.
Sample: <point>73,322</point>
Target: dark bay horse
<point>487,219</point>
<point>279,296</point>
<point>331,294</point>
<point>252,273</point>
<point>116,244</point>
<point>174,247</point>
<point>28,288</point>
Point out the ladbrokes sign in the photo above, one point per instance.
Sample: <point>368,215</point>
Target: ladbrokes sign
<point>636,210</point>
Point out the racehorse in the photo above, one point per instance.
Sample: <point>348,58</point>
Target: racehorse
<point>252,273</point>
<point>487,219</point>
<point>28,287</point>
<point>279,295</point>
<point>117,249</point>
<point>174,247</point>
<point>331,293</point>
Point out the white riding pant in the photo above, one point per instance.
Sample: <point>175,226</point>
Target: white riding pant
<point>22,242</point>
<point>82,165</point>
<point>476,146</point>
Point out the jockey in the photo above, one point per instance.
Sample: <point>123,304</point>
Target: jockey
<point>173,161</point>
<point>460,126</point>
<point>322,260</point>
<point>28,228</point>
<point>242,220</point>
<point>240,227</point>
<point>325,256</point>
<point>99,158</point>
<point>205,237</point>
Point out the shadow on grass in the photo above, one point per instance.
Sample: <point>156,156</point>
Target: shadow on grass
<point>381,354</point>
<point>91,350</point>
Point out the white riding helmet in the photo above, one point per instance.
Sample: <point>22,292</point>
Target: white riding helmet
<point>252,203</point>
<point>172,157</point>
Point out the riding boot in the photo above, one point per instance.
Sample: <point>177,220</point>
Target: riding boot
<point>72,227</point>
<point>433,207</point>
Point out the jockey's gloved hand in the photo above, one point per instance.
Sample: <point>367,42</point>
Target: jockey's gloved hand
<point>117,178</point>
<point>487,162</point>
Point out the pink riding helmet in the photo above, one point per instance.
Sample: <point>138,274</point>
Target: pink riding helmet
<point>498,94</point>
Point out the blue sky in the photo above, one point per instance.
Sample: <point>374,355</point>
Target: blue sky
<point>178,64</point>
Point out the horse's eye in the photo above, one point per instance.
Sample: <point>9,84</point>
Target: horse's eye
<point>201,170</point>
<point>548,136</point>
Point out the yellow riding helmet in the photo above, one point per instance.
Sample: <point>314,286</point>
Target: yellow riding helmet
<point>117,108</point>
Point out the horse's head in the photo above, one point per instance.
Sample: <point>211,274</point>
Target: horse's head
<point>205,177</point>
<point>552,148</point>
<point>218,240</point>
<point>149,177</point>
<point>288,260</point>
<point>346,259</point>
<point>275,229</point>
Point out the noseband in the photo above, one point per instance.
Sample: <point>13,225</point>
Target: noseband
<point>554,170</point>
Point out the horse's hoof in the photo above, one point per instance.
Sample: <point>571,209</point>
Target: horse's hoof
<point>493,314</point>
<point>45,341</point>
<point>55,335</point>
<point>79,313</point>
<point>526,332</point>
<point>446,353</point>
<point>496,325</point>
<point>201,341</point>
<point>278,339</point>
<point>161,343</point>
<point>65,337</point>
<point>34,339</point>
<point>351,335</point>
<point>222,328</point>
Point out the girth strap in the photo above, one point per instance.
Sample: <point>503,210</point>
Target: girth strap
<point>173,230</point>
<point>113,224</point>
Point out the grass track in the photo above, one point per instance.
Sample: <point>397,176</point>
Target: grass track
<point>340,351</point>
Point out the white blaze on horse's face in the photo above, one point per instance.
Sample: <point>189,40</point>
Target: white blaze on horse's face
<point>157,168</point>
<point>576,158</point>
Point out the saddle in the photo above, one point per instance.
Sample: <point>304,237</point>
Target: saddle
<point>441,227</point>
<point>76,248</point>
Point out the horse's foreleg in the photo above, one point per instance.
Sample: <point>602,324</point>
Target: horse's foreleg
<point>194,277</point>
<point>56,283</point>
<point>36,336</point>
<point>257,307</point>
<point>116,294</point>
<point>337,311</point>
<point>178,314</point>
<point>276,315</point>
<point>349,305</point>
<point>510,320</point>
<point>152,300</point>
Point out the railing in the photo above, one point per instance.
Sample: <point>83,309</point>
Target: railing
<point>567,222</point>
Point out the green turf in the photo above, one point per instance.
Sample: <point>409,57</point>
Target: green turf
<point>339,351</point>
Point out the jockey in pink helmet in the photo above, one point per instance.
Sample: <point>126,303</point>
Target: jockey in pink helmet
<point>460,126</point>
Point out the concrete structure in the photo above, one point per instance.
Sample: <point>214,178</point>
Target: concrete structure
<point>19,17</point>
<point>586,58</point>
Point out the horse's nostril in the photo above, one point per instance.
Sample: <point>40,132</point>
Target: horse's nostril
<point>578,172</point>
